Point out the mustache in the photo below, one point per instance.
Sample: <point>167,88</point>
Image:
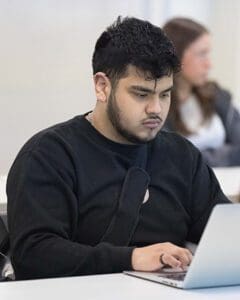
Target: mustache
<point>153,117</point>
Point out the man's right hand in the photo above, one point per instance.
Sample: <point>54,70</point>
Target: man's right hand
<point>149,258</point>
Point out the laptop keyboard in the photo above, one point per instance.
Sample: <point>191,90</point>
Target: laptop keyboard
<point>176,276</point>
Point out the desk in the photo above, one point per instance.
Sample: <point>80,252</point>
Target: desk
<point>229,179</point>
<point>3,196</point>
<point>107,287</point>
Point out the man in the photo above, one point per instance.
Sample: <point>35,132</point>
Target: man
<point>107,191</point>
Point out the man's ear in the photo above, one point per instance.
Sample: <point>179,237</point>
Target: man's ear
<point>102,86</point>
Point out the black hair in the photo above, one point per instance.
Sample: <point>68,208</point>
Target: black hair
<point>130,41</point>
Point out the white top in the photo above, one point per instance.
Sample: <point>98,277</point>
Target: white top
<point>207,134</point>
<point>107,287</point>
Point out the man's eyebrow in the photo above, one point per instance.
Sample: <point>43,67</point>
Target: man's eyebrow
<point>167,89</point>
<point>140,88</point>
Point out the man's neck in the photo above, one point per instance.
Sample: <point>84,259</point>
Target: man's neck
<point>103,125</point>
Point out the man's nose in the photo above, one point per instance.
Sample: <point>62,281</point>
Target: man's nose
<point>154,106</point>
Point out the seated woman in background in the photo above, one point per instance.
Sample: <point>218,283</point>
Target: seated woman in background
<point>200,110</point>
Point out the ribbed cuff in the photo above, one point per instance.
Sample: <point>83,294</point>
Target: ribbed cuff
<point>112,259</point>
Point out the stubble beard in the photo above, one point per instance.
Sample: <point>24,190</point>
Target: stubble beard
<point>114,115</point>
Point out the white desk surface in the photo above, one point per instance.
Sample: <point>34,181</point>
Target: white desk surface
<point>229,179</point>
<point>107,287</point>
<point>3,196</point>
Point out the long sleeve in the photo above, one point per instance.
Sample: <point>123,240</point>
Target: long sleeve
<point>43,216</point>
<point>226,156</point>
<point>75,200</point>
<point>229,153</point>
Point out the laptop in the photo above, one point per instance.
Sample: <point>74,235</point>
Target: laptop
<point>217,258</point>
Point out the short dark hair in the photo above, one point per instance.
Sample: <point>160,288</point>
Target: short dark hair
<point>130,41</point>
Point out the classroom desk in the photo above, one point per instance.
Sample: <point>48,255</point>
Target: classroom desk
<point>107,287</point>
<point>229,179</point>
<point>3,196</point>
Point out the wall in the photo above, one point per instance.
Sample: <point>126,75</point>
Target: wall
<point>45,57</point>
<point>225,27</point>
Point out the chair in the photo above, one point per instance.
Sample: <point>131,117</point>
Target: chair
<point>6,269</point>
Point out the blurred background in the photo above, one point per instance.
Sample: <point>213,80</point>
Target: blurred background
<point>46,48</point>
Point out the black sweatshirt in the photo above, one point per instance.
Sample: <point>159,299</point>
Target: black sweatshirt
<point>75,200</point>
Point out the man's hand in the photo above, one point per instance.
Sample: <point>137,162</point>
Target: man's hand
<point>154,257</point>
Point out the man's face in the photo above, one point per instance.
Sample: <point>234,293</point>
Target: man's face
<point>137,107</point>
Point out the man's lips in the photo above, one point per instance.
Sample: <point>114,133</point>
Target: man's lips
<point>152,123</point>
